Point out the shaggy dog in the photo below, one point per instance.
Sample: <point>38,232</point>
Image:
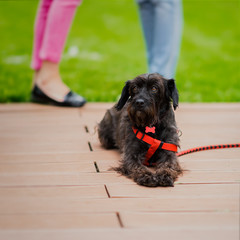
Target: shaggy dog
<point>142,125</point>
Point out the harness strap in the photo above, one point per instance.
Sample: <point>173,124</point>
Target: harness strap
<point>154,145</point>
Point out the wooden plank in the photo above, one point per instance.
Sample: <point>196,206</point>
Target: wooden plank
<point>184,221</point>
<point>211,107</point>
<point>32,107</point>
<point>59,221</point>
<point>60,179</point>
<point>59,157</point>
<point>67,167</point>
<point>70,205</point>
<point>16,145</point>
<point>119,234</point>
<point>191,191</point>
<point>227,165</point>
<point>55,179</point>
<point>69,192</point>
<point>105,166</point>
<point>209,177</point>
<point>95,108</point>
<point>45,140</point>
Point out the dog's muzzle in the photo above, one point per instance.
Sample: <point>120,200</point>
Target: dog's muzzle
<point>140,103</point>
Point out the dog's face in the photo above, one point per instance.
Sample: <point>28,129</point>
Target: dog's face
<point>148,97</point>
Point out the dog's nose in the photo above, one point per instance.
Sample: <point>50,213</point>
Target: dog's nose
<point>140,102</point>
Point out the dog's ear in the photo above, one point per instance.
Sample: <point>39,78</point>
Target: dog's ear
<point>172,92</point>
<point>124,96</point>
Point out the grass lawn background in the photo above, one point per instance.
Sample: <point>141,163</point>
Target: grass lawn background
<point>105,48</point>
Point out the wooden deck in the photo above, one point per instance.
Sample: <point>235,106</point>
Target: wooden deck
<point>55,182</point>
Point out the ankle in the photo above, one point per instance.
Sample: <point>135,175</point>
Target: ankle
<point>49,72</point>
<point>48,66</point>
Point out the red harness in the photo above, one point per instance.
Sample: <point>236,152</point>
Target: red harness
<point>154,145</point>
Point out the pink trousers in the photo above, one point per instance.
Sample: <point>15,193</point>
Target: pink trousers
<point>52,24</point>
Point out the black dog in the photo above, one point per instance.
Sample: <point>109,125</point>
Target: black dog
<point>142,125</point>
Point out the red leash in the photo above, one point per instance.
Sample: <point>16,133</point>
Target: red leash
<point>210,147</point>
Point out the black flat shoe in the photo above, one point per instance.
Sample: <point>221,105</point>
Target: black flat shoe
<point>70,100</point>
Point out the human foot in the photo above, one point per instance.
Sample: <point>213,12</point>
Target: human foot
<point>70,100</point>
<point>48,79</point>
<point>49,88</point>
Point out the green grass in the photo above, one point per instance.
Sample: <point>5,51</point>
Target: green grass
<point>111,50</point>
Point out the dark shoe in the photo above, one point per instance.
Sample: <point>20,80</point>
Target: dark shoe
<point>70,100</point>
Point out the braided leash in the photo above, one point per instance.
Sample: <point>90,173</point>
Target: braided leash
<point>210,147</point>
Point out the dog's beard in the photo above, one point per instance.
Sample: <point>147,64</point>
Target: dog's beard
<point>142,117</point>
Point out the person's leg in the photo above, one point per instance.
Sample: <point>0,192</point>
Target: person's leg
<point>58,23</point>
<point>146,12</point>
<point>167,37</point>
<point>166,32</point>
<point>39,30</point>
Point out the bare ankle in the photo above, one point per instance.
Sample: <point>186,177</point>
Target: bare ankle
<point>48,66</point>
<point>49,72</point>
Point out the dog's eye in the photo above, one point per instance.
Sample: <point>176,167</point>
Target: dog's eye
<point>154,89</point>
<point>135,89</point>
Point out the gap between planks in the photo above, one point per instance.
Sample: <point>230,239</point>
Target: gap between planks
<point>91,149</point>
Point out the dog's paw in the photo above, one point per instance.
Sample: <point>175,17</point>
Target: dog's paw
<point>146,179</point>
<point>165,180</point>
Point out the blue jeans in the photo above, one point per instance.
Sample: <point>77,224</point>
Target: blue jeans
<point>162,22</point>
